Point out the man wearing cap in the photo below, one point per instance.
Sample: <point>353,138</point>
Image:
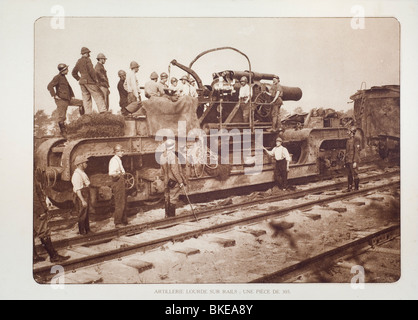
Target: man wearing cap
<point>163,80</point>
<point>131,84</point>
<point>153,88</point>
<point>282,162</point>
<point>63,94</point>
<point>117,172</point>
<point>244,98</point>
<point>81,184</point>
<point>174,180</point>
<point>123,94</point>
<point>88,82</point>
<point>184,86</point>
<point>102,80</point>
<point>276,91</point>
<point>352,159</point>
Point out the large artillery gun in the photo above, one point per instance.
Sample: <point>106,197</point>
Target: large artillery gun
<point>213,125</point>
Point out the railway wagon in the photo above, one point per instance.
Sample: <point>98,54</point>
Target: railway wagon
<point>218,151</point>
<point>377,113</point>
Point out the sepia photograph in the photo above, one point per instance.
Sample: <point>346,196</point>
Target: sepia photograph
<point>206,157</point>
<point>217,156</point>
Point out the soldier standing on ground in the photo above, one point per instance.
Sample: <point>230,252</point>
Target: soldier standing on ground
<point>88,82</point>
<point>117,172</point>
<point>123,94</point>
<point>102,79</point>
<point>81,184</point>
<point>352,159</point>
<point>63,94</point>
<point>282,163</point>
<point>174,180</point>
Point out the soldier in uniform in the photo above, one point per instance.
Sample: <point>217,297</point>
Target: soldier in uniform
<point>131,84</point>
<point>163,80</point>
<point>40,225</point>
<point>276,91</point>
<point>184,86</point>
<point>63,94</point>
<point>352,159</point>
<point>117,172</point>
<point>153,88</point>
<point>244,98</point>
<point>102,80</point>
<point>81,184</point>
<point>88,82</point>
<point>174,180</point>
<point>282,163</point>
<point>123,94</point>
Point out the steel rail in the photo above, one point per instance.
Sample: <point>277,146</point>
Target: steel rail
<point>328,257</point>
<point>74,264</point>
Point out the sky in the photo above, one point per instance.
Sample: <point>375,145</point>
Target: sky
<point>327,58</point>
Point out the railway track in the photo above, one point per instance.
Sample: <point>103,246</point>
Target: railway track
<point>142,238</point>
<point>339,257</point>
<point>64,218</point>
<point>108,235</point>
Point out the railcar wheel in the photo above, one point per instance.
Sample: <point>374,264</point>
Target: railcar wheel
<point>341,155</point>
<point>129,181</point>
<point>262,105</point>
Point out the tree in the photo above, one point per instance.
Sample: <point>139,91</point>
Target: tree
<point>41,124</point>
<point>53,127</point>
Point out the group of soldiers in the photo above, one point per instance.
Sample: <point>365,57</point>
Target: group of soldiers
<point>94,84</point>
<point>174,182</point>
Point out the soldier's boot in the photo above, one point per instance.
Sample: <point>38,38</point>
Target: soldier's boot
<point>170,210</point>
<point>173,210</point>
<point>63,129</point>
<point>349,188</point>
<point>167,210</point>
<point>356,183</point>
<point>37,258</point>
<point>81,228</point>
<point>53,255</point>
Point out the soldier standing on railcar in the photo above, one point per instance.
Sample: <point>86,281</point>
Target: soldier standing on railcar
<point>352,159</point>
<point>244,98</point>
<point>88,82</point>
<point>123,94</point>
<point>63,94</point>
<point>131,84</point>
<point>174,180</point>
<point>102,80</point>
<point>276,91</point>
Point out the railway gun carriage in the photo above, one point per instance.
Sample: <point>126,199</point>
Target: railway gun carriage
<point>217,149</point>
